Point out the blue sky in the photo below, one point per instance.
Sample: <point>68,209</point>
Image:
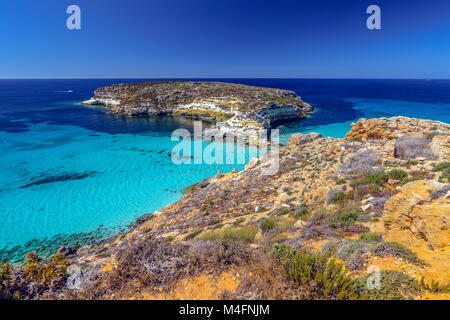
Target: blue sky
<point>232,38</point>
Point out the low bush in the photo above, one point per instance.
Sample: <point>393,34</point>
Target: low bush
<point>337,196</point>
<point>324,277</point>
<point>435,286</point>
<point>44,274</point>
<point>403,252</point>
<point>192,235</point>
<point>441,166</point>
<point>300,212</point>
<point>390,284</point>
<point>348,218</point>
<point>152,264</point>
<point>352,253</point>
<point>267,224</point>
<point>5,272</point>
<point>376,176</point>
<point>411,179</point>
<point>371,237</point>
<point>243,233</point>
<point>397,174</point>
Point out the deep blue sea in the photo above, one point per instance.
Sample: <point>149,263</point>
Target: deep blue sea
<point>76,174</point>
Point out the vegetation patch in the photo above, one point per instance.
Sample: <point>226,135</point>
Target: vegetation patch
<point>348,218</point>
<point>443,167</point>
<point>325,278</point>
<point>394,285</point>
<point>352,252</point>
<point>372,237</point>
<point>411,179</point>
<point>403,252</point>
<point>192,235</point>
<point>243,233</point>
<point>267,224</point>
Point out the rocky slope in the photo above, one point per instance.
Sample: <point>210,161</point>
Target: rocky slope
<point>237,109</point>
<point>377,200</point>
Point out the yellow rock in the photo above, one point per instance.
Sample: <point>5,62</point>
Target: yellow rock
<point>415,220</point>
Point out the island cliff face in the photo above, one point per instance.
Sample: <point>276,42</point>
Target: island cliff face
<point>336,209</point>
<point>237,109</point>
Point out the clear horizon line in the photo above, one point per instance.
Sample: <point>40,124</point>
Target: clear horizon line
<point>293,78</point>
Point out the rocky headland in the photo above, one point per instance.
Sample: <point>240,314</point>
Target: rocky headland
<point>373,207</point>
<point>236,109</point>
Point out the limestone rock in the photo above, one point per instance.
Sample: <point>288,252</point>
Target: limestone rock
<point>361,161</point>
<point>413,147</point>
<point>415,220</point>
<point>299,139</point>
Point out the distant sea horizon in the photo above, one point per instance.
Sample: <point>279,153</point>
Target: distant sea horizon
<point>77,174</point>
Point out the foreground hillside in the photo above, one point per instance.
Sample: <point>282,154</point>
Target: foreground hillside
<point>337,210</point>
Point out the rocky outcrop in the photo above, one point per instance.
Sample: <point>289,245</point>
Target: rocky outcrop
<point>412,147</point>
<point>412,217</point>
<point>238,110</point>
<point>391,128</point>
<point>360,162</point>
<point>299,139</point>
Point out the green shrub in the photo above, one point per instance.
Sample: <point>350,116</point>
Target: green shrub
<point>411,179</point>
<point>348,218</point>
<point>371,237</point>
<point>340,181</point>
<point>267,224</point>
<point>352,253</point>
<point>192,235</point>
<point>332,222</point>
<point>397,174</point>
<point>435,286</point>
<point>441,166</point>
<point>243,233</point>
<point>239,221</point>
<point>444,167</point>
<point>324,277</point>
<point>431,135</point>
<point>405,253</point>
<point>329,248</point>
<point>337,196</point>
<point>300,212</point>
<point>214,221</point>
<point>376,176</point>
<point>281,211</point>
<point>261,209</point>
<point>414,162</point>
<point>392,284</point>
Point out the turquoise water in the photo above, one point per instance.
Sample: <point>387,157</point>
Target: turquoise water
<point>66,180</point>
<point>75,174</point>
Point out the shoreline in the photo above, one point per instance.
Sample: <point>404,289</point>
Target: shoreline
<point>146,216</point>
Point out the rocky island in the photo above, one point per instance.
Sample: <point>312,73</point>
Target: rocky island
<point>338,215</point>
<point>236,109</point>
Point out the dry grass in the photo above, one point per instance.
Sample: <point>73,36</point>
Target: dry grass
<point>154,264</point>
